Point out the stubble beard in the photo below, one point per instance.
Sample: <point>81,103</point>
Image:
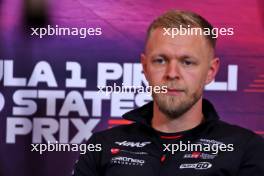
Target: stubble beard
<point>175,106</point>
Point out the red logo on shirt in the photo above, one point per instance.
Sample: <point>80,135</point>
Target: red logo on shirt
<point>196,154</point>
<point>115,151</point>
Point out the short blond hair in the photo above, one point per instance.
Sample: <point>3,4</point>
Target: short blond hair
<point>177,18</point>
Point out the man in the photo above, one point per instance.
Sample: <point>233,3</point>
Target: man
<point>159,141</point>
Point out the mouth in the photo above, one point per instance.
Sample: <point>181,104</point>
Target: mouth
<point>174,92</point>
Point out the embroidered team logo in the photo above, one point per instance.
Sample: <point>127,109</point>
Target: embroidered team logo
<point>132,144</point>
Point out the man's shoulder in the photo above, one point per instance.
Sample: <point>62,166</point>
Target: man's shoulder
<point>236,131</point>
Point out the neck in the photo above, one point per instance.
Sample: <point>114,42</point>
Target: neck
<point>190,119</point>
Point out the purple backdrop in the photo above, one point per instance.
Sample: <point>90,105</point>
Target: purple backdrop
<point>123,25</point>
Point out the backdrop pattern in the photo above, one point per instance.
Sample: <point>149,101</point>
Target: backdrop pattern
<point>49,85</point>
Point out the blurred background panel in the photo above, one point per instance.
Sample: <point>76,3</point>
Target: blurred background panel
<point>123,25</point>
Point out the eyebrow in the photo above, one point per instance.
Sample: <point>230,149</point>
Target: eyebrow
<point>188,56</point>
<point>161,55</point>
<point>185,56</point>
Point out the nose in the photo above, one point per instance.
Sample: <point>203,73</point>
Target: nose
<point>172,71</point>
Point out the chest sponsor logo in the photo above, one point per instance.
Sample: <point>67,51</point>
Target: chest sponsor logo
<point>127,161</point>
<point>115,151</point>
<point>132,144</point>
<point>199,155</point>
<point>196,166</point>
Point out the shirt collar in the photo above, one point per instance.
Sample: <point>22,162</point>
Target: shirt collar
<point>144,114</point>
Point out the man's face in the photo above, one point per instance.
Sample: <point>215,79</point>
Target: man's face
<point>185,64</point>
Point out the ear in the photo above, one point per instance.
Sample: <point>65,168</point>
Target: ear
<point>143,60</point>
<point>213,69</point>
